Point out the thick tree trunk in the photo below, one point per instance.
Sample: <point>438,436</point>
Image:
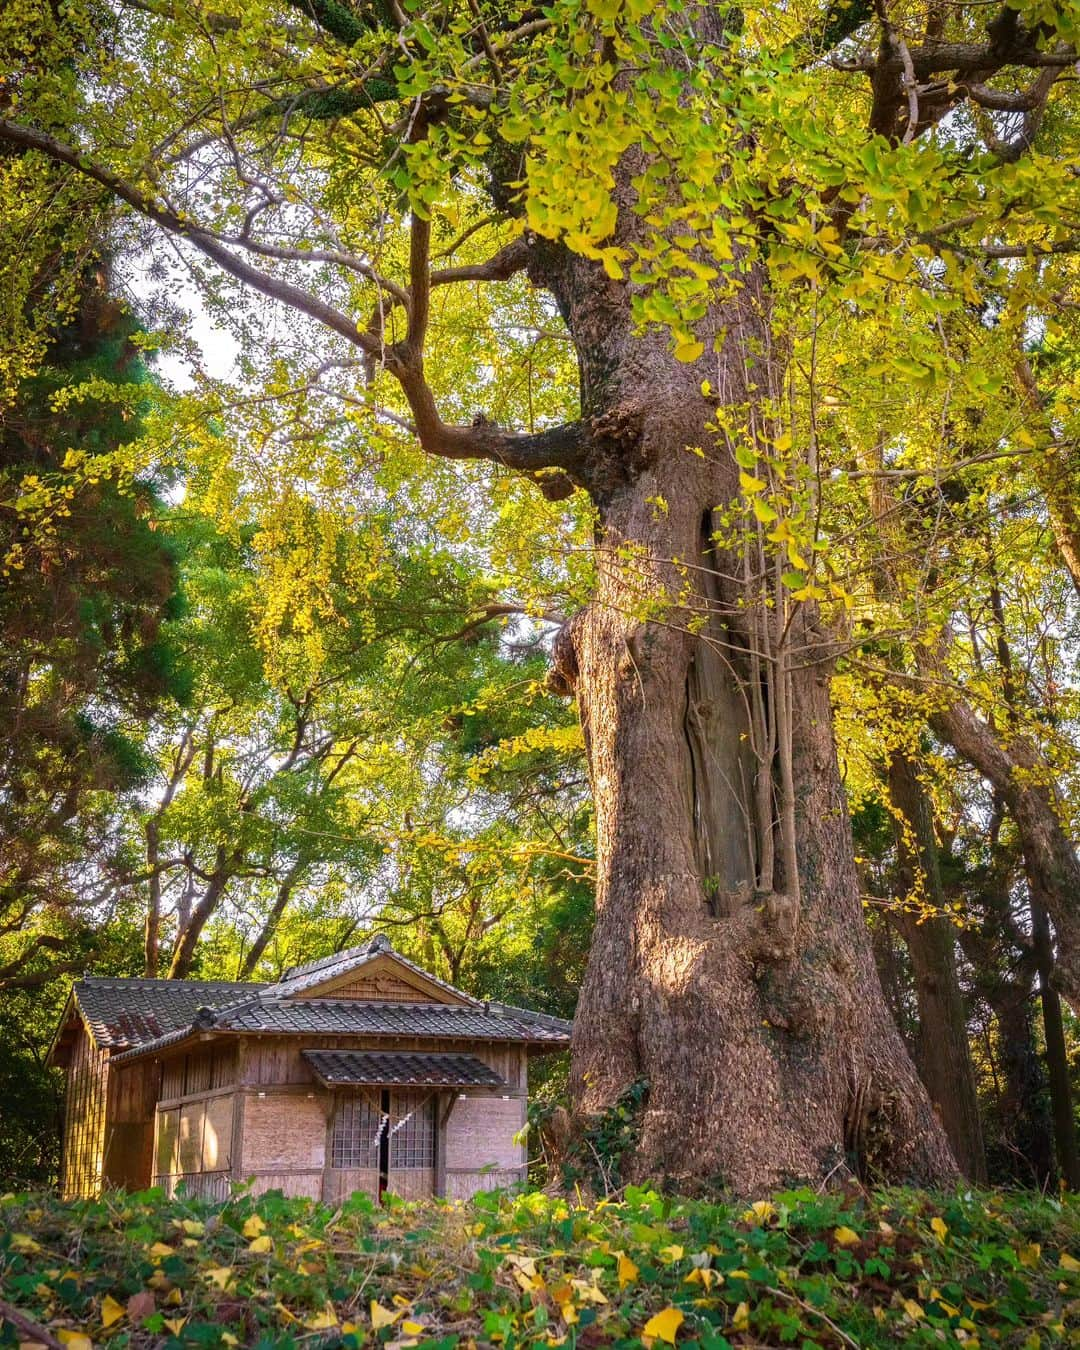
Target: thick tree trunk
<point>942,1052</point>
<point>754,1013</point>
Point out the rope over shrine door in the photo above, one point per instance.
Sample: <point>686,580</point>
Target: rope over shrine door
<point>390,1130</point>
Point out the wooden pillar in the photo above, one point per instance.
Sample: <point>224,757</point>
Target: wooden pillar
<point>442,1117</point>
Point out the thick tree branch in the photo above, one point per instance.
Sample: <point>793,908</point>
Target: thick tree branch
<point>560,447</point>
<point>170,219</point>
<point>419,281</point>
<point>959,58</point>
<point>500,267</point>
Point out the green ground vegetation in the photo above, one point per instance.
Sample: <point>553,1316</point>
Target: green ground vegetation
<point>639,1269</point>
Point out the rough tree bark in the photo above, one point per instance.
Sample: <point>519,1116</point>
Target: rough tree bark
<point>754,1013</point>
<point>942,1052</point>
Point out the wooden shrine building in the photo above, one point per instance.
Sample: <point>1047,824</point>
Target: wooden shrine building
<point>358,1072</point>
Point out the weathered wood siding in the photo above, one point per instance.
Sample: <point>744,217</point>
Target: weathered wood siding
<point>129,1130</point>
<point>83,1166</point>
<point>271,1123</point>
<point>381,988</point>
<point>480,1150</point>
<point>196,1121</point>
<point>382,979</point>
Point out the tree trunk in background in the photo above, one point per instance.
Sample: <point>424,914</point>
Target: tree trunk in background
<point>1018,775</point>
<point>1057,1060</point>
<point>942,1053</point>
<point>756,1017</point>
<point>286,886</point>
<point>1026,1126</point>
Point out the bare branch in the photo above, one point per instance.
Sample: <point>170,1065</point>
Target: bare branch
<point>165,215</point>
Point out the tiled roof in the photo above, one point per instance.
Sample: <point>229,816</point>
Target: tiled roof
<point>335,1017</point>
<point>336,1068</point>
<point>134,1017</point>
<point>122,1013</point>
<point>299,979</point>
<point>352,1017</point>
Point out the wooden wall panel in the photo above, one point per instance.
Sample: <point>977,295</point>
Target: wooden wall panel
<point>381,989</point>
<point>411,1183</point>
<point>480,1133</point>
<point>306,1183</point>
<point>166,1158</point>
<point>283,1131</point>
<point>172,1079</point>
<point>340,1182</point>
<point>217,1134</point>
<point>464,1185</point>
<point>189,1146</point>
<point>84,1118</point>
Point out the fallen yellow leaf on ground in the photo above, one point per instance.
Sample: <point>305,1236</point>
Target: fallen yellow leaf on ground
<point>664,1325</point>
<point>77,1340</point>
<point>628,1272</point>
<point>111,1311</point>
<point>382,1317</point>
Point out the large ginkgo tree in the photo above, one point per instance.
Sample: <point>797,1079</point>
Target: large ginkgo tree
<point>722,208</point>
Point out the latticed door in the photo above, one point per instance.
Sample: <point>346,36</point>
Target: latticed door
<point>382,1139</point>
<point>412,1131</point>
<point>359,1125</point>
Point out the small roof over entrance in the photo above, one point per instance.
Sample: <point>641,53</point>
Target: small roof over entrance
<point>386,1068</point>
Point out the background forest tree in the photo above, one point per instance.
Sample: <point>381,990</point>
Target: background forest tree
<point>737,345</point>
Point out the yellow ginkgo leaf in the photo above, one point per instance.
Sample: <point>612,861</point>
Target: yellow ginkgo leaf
<point>175,1324</point>
<point>741,1320</point>
<point>111,1311</point>
<point>673,1253</point>
<point>193,1228</point>
<point>689,349</point>
<point>940,1228</point>
<point>761,1211</point>
<point>1067,1262</point>
<point>1029,1255</point>
<point>261,1244</point>
<point>412,1328</point>
<point>664,1325</point>
<point>160,1250</point>
<point>569,1313</point>
<point>77,1340</point>
<point>229,1338</point>
<point>382,1317</point>
<point>913,1309</point>
<point>628,1272</point>
<point>253,1226</point>
<point>322,1321</point>
<point>24,1244</point>
<point>219,1276</point>
<point>845,1237</point>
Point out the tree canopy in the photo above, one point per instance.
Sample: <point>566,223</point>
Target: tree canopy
<point>721,357</point>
